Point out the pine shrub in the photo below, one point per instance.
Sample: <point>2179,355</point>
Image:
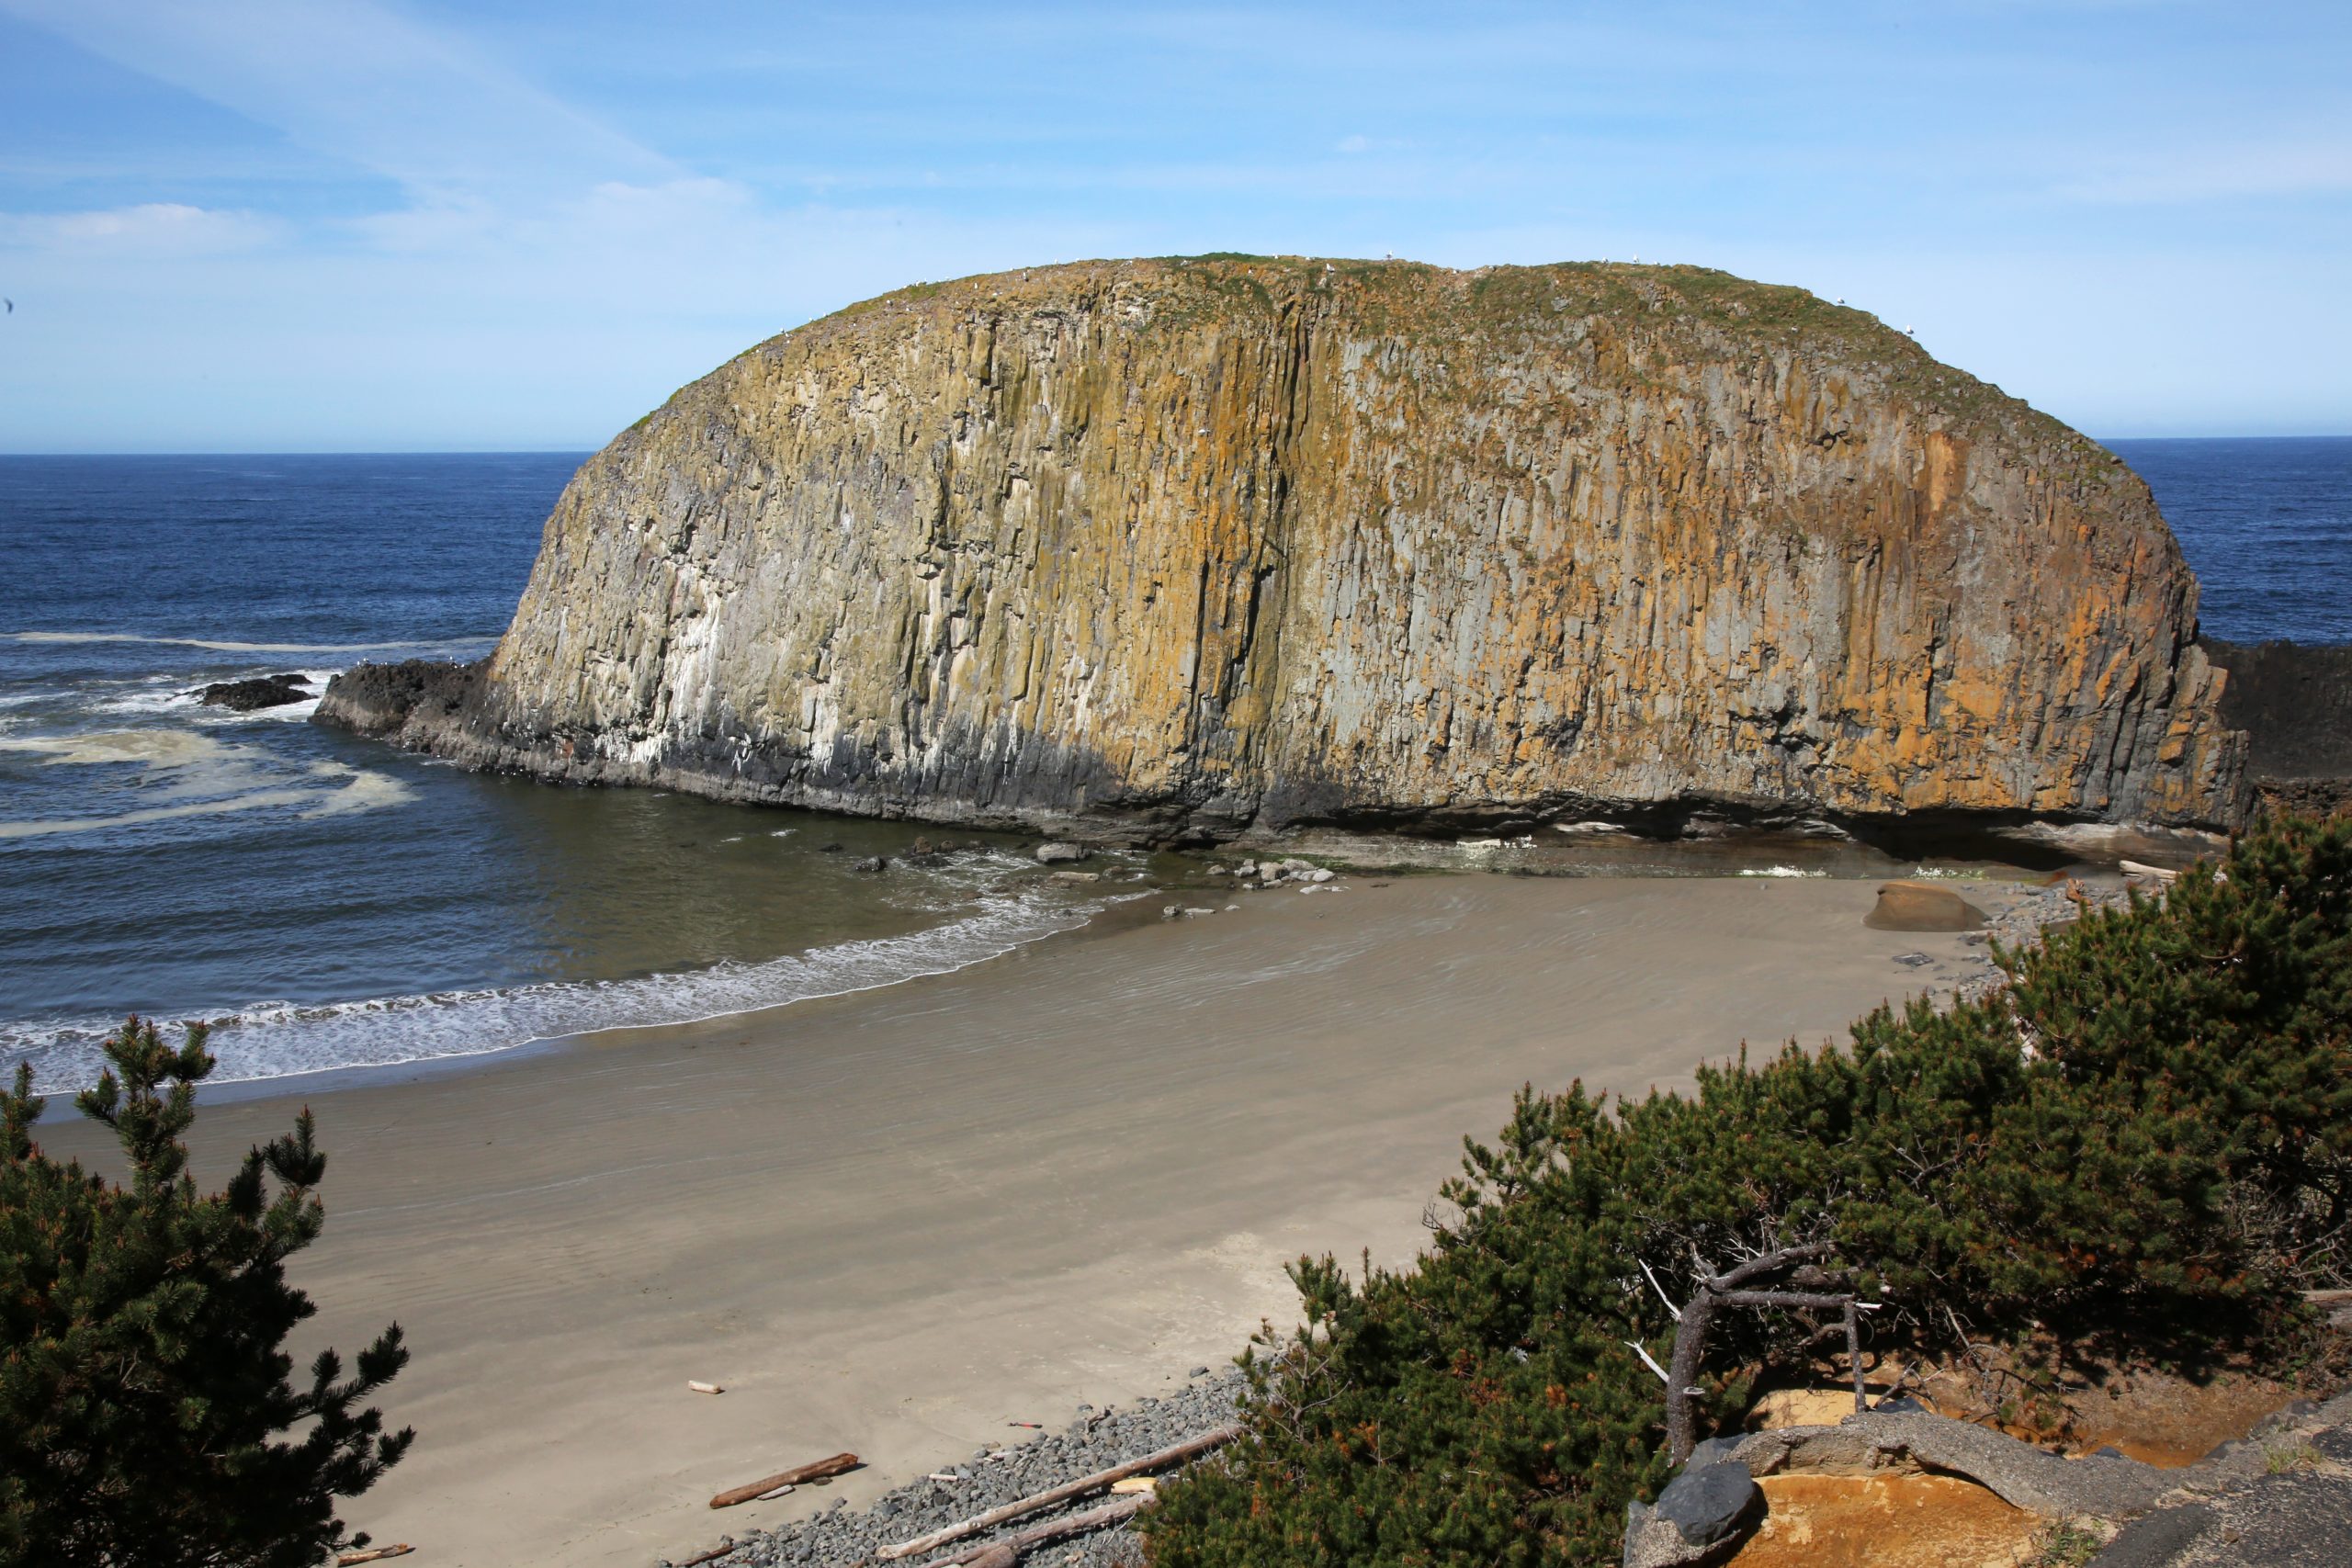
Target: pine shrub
<point>147,1415</point>
<point>2142,1141</point>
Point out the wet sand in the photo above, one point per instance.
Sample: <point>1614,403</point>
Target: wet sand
<point>896,1222</point>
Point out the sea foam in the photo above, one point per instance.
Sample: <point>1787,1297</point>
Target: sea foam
<point>269,1039</point>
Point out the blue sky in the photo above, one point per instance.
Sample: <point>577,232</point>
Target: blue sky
<point>396,224</point>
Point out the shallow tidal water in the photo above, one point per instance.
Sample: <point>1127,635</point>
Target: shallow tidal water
<point>330,902</point>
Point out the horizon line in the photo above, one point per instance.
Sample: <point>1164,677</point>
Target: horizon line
<point>590,450</point>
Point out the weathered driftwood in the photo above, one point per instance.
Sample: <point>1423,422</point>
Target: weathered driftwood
<point>694,1386</point>
<point>1002,1554</point>
<point>838,1464</point>
<point>373,1554</point>
<point>1176,1453</point>
<point>1733,1288</point>
<point>725,1544</point>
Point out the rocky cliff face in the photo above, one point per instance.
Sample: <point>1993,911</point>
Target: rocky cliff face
<point>1191,547</point>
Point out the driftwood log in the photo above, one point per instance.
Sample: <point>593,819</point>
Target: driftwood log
<point>1174,1454</point>
<point>1005,1553</point>
<point>373,1554</point>
<point>838,1464</point>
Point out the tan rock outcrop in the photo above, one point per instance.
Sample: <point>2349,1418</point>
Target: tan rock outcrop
<point>1194,547</point>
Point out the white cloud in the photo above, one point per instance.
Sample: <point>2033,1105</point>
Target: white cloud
<point>150,228</point>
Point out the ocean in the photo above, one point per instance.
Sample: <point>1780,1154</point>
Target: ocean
<point>328,902</point>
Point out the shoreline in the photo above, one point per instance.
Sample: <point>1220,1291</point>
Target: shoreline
<point>1139,893</point>
<point>892,1222</point>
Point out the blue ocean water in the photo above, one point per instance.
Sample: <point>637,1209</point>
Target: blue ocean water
<point>2267,522</point>
<point>332,902</point>
<point>327,900</point>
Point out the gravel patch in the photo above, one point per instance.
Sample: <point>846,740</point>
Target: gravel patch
<point>995,1475</point>
<point>2020,923</point>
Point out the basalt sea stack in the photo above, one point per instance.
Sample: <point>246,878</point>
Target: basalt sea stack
<point>1193,548</point>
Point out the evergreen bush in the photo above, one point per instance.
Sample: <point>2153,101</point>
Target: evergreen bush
<point>2140,1142</point>
<point>147,1416</point>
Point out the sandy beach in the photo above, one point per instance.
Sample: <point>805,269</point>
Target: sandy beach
<point>896,1222</point>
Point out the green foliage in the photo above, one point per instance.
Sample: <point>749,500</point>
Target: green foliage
<point>2142,1140</point>
<point>147,1416</point>
<point>2063,1545</point>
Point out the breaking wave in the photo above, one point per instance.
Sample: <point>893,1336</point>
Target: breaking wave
<point>223,646</point>
<point>271,1040</point>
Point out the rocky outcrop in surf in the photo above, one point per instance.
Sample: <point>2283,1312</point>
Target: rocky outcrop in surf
<point>1187,548</point>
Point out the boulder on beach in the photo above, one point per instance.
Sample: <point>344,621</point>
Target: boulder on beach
<point>1922,906</point>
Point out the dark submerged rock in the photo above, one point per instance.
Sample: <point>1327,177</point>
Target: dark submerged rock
<point>256,693</point>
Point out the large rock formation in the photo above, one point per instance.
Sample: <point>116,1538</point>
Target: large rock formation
<point>1190,547</point>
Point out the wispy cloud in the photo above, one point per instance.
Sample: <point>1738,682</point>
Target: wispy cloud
<point>357,80</point>
<point>150,228</point>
